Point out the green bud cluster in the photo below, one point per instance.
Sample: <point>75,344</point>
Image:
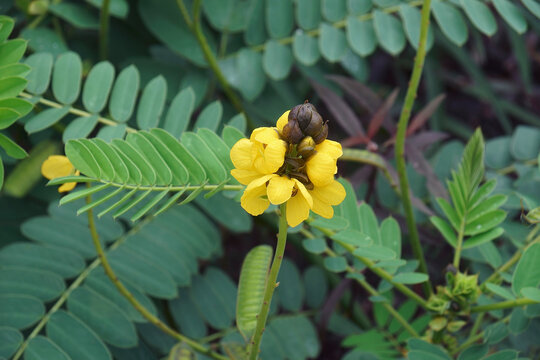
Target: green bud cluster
<point>451,302</point>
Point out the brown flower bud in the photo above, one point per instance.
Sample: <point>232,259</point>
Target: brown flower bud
<point>293,114</point>
<point>292,133</point>
<point>321,136</point>
<point>305,116</point>
<point>306,148</point>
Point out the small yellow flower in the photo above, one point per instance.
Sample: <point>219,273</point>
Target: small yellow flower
<point>58,166</point>
<point>277,171</point>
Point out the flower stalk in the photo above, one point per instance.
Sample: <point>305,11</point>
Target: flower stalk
<point>271,285</point>
<point>400,142</point>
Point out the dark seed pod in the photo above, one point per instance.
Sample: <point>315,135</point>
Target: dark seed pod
<point>305,113</point>
<point>314,125</point>
<point>321,136</point>
<point>293,114</point>
<point>292,133</point>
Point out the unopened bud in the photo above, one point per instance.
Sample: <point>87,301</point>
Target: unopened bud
<point>306,148</point>
<point>292,133</point>
<point>321,136</point>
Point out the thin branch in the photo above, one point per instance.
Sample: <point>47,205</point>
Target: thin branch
<point>504,305</point>
<point>196,27</point>
<point>104,30</point>
<point>75,111</point>
<point>377,271</point>
<point>400,143</point>
<point>374,292</point>
<point>136,304</point>
<point>75,284</point>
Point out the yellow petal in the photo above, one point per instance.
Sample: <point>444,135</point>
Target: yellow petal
<point>254,199</point>
<point>332,194</point>
<point>322,208</point>
<point>332,148</point>
<point>56,166</point>
<point>320,169</point>
<point>245,176</point>
<point>279,189</point>
<point>297,210</point>
<point>67,187</point>
<point>283,119</point>
<point>274,155</point>
<point>304,192</point>
<point>241,154</point>
<point>266,135</point>
<point>260,181</point>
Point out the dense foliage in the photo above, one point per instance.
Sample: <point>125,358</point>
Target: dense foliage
<point>151,255</point>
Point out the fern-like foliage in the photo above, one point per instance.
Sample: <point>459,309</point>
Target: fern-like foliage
<point>149,165</point>
<point>108,103</point>
<point>278,33</point>
<point>88,318</point>
<point>474,215</point>
<point>12,82</point>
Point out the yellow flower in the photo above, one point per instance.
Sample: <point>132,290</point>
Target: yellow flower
<point>58,166</point>
<point>276,173</point>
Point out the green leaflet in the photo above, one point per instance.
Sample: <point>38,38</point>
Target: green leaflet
<point>251,288</point>
<point>474,214</point>
<point>66,80</point>
<point>527,273</point>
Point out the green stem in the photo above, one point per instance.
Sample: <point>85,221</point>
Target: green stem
<point>400,142</point>
<point>75,284</point>
<point>471,340</point>
<point>459,245</point>
<point>504,305</point>
<point>374,292</point>
<point>476,325</point>
<point>104,29</point>
<point>196,27</point>
<point>378,271</point>
<point>474,338</point>
<point>74,111</point>
<point>136,304</point>
<point>271,285</point>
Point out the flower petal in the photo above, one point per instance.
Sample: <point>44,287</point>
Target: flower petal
<point>274,155</point>
<point>322,208</point>
<point>332,194</point>
<point>245,176</point>
<point>67,187</point>
<point>320,169</point>
<point>279,189</point>
<point>297,210</point>
<point>56,166</point>
<point>304,192</point>
<point>241,154</point>
<point>265,135</point>
<point>330,147</point>
<point>260,181</point>
<point>283,119</point>
<point>254,199</point>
